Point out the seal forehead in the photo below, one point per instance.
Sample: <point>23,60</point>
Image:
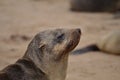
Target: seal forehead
<point>52,35</point>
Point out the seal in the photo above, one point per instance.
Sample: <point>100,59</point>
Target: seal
<point>110,43</point>
<point>95,5</point>
<point>46,57</point>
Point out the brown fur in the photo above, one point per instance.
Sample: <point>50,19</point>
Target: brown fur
<point>46,57</point>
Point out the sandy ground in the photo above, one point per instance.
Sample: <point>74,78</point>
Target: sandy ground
<point>20,20</point>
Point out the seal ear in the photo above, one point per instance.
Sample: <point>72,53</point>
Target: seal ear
<point>42,47</point>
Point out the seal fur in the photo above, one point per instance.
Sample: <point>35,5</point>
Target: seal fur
<point>46,57</point>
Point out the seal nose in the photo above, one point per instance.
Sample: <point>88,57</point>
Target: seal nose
<point>78,30</point>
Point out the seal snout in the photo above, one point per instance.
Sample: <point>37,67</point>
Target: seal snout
<point>74,39</point>
<point>77,33</point>
<point>78,30</point>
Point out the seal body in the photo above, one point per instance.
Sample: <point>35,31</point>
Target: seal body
<point>46,56</point>
<point>23,69</point>
<point>110,43</point>
<point>95,5</point>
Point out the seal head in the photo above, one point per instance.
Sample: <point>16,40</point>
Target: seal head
<point>49,51</point>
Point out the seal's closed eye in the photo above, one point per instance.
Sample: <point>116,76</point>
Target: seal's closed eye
<point>60,38</point>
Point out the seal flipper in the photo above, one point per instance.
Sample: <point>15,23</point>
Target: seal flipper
<point>92,47</point>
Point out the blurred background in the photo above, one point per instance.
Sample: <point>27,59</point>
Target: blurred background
<point>20,20</point>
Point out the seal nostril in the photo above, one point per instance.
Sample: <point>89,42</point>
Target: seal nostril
<point>78,30</point>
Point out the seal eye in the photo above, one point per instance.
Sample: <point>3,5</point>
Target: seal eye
<point>60,38</point>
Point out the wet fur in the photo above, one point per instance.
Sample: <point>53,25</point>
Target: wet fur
<point>23,69</point>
